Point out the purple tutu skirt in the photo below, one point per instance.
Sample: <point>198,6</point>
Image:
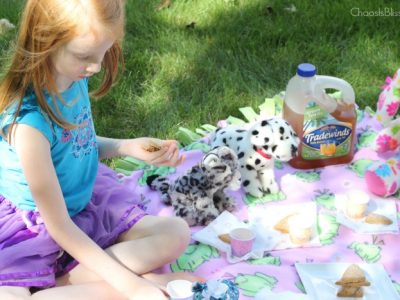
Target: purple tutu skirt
<point>30,257</point>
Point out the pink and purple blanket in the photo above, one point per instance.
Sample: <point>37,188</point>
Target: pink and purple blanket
<point>276,269</point>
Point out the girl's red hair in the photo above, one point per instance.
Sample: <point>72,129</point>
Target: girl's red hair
<point>47,25</point>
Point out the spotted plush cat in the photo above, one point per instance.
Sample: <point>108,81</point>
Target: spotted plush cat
<point>198,195</point>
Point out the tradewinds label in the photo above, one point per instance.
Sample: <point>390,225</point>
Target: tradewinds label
<point>332,140</point>
<point>323,135</point>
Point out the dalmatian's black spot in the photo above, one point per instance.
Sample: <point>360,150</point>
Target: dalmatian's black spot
<point>224,140</point>
<point>275,137</point>
<point>248,167</point>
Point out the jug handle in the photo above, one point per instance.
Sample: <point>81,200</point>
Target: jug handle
<point>328,82</point>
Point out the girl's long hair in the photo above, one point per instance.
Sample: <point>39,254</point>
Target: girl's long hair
<point>47,25</point>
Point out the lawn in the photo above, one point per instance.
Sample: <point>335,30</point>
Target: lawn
<point>198,61</point>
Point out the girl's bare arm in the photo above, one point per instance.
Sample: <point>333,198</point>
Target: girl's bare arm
<point>33,149</point>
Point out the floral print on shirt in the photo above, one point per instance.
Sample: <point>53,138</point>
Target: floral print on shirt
<point>83,138</point>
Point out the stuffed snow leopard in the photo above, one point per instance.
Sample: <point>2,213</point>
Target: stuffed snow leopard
<point>198,195</point>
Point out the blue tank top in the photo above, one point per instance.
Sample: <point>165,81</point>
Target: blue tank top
<point>74,152</point>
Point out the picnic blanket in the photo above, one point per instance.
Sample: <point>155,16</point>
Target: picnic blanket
<point>276,270</point>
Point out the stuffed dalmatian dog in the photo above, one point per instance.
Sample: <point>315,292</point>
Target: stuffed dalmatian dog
<point>256,148</point>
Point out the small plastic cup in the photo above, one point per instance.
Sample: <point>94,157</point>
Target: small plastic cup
<point>357,204</point>
<point>242,240</point>
<point>180,290</point>
<point>300,229</point>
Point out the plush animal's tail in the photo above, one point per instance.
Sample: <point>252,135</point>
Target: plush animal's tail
<point>161,184</point>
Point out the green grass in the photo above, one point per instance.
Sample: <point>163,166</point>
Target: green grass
<point>238,53</point>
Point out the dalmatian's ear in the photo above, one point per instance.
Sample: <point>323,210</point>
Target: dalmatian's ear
<point>261,133</point>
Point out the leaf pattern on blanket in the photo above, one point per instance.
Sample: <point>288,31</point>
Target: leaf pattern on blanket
<point>328,228</point>
<point>194,256</point>
<point>266,260</point>
<point>253,201</point>
<point>359,166</point>
<point>252,284</point>
<point>325,198</point>
<point>366,138</point>
<point>308,176</point>
<point>369,253</point>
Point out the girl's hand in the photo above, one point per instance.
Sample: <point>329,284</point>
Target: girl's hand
<point>154,151</point>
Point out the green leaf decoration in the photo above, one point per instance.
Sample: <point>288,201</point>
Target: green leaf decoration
<point>369,111</point>
<point>268,107</point>
<point>201,131</point>
<point>153,170</point>
<point>249,113</point>
<point>198,146</point>
<point>235,121</point>
<point>127,165</point>
<point>208,127</point>
<point>186,136</point>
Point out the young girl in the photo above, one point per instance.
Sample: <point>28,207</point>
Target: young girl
<point>68,229</point>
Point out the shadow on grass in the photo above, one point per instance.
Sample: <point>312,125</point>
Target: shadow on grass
<point>241,54</point>
<point>235,53</point>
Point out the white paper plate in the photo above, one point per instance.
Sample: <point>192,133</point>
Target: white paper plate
<point>319,281</point>
<point>384,207</point>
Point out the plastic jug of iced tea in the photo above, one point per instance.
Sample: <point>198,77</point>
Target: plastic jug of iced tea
<point>326,126</point>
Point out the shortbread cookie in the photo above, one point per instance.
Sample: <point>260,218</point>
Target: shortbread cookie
<point>152,147</point>
<point>283,224</point>
<point>353,292</point>
<point>225,238</point>
<point>373,218</point>
<point>353,274</point>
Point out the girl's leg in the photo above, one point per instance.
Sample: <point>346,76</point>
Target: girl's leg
<point>148,245</point>
<point>92,290</point>
<point>151,243</point>
<point>14,293</point>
